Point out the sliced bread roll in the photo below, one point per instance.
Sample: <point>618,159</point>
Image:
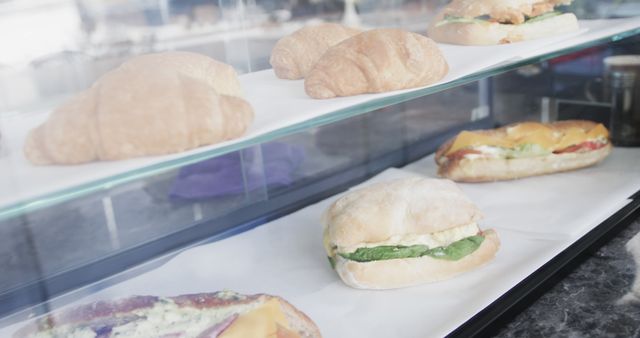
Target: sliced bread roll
<point>405,232</point>
<point>522,150</point>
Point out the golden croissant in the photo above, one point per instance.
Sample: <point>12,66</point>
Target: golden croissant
<point>376,61</point>
<point>151,105</point>
<point>294,55</point>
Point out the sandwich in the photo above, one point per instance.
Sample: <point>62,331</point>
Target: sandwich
<point>222,314</point>
<point>522,150</point>
<point>492,22</point>
<point>405,232</point>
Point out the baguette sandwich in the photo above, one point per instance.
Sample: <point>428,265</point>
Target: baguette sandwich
<point>405,232</point>
<point>522,150</point>
<point>492,22</point>
<point>209,315</point>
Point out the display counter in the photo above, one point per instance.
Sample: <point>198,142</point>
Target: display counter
<point>587,301</point>
<point>245,214</point>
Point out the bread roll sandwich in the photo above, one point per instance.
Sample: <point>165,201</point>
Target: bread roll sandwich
<point>153,104</point>
<point>376,61</point>
<point>405,232</point>
<point>294,55</point>
<point>492,22</point>
<point>208,315</point>
<point>522,150</point>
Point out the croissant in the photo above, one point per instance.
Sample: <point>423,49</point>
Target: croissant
<point>294,55</point>
<point>376,61</point>
<point>151,105</point>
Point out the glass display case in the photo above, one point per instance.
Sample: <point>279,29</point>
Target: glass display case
<point>71,234</point>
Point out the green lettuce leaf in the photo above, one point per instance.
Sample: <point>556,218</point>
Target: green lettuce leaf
<point>542,17</point>
<point>526,150</point>
<point>452,252</point>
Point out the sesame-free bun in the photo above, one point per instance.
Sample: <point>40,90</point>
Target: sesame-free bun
<point>397,209</point>
<point>411,206</point>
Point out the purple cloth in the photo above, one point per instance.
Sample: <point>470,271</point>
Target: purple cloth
<point>223,175</point>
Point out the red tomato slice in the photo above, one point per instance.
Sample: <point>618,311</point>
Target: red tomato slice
<point>463,152</point>
<point>582,147</point>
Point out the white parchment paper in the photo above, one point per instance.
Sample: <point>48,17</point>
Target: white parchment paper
<point>560,205</point>
<point>278,104</point>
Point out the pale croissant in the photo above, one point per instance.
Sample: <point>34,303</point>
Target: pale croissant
<point>376,61</point>
<point>151,105</point>
<point>294,55</point>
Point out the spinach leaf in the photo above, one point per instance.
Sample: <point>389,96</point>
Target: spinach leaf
<point>332,261</point>
<point>452,252</point>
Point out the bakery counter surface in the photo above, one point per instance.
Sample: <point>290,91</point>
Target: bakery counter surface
<point>586,303</point>
<point>534,227</point>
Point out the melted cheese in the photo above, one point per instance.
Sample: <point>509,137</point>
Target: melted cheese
<point>467,139</point>
<point>571,137</point>
<point>598,132</point>
<point>260,322</point>
<point>526,128</point>
<point>529,133</point>
<point>432,240</point>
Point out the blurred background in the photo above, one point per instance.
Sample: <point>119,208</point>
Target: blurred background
<point>52,48</point>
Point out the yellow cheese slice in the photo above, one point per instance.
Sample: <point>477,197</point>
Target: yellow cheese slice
<point>527,128</point>
<point>532,133</point>
<point>467,139</point>
<point>571,136</point>
<point>529,133</point>
<point>260,322</point>
<point>575,136</point>
<point>598,131</point>
<point>543,139</point>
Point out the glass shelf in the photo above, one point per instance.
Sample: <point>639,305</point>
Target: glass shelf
<point>31,188</point>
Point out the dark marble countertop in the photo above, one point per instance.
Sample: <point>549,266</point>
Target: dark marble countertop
<point>586,302</point>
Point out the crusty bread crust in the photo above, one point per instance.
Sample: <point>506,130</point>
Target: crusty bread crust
<point>494,33</point>
<point>487,169</point>
<point>401,207</point>
<point>398,273</point>
<point>298,320</point>
<point>498,169</point>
